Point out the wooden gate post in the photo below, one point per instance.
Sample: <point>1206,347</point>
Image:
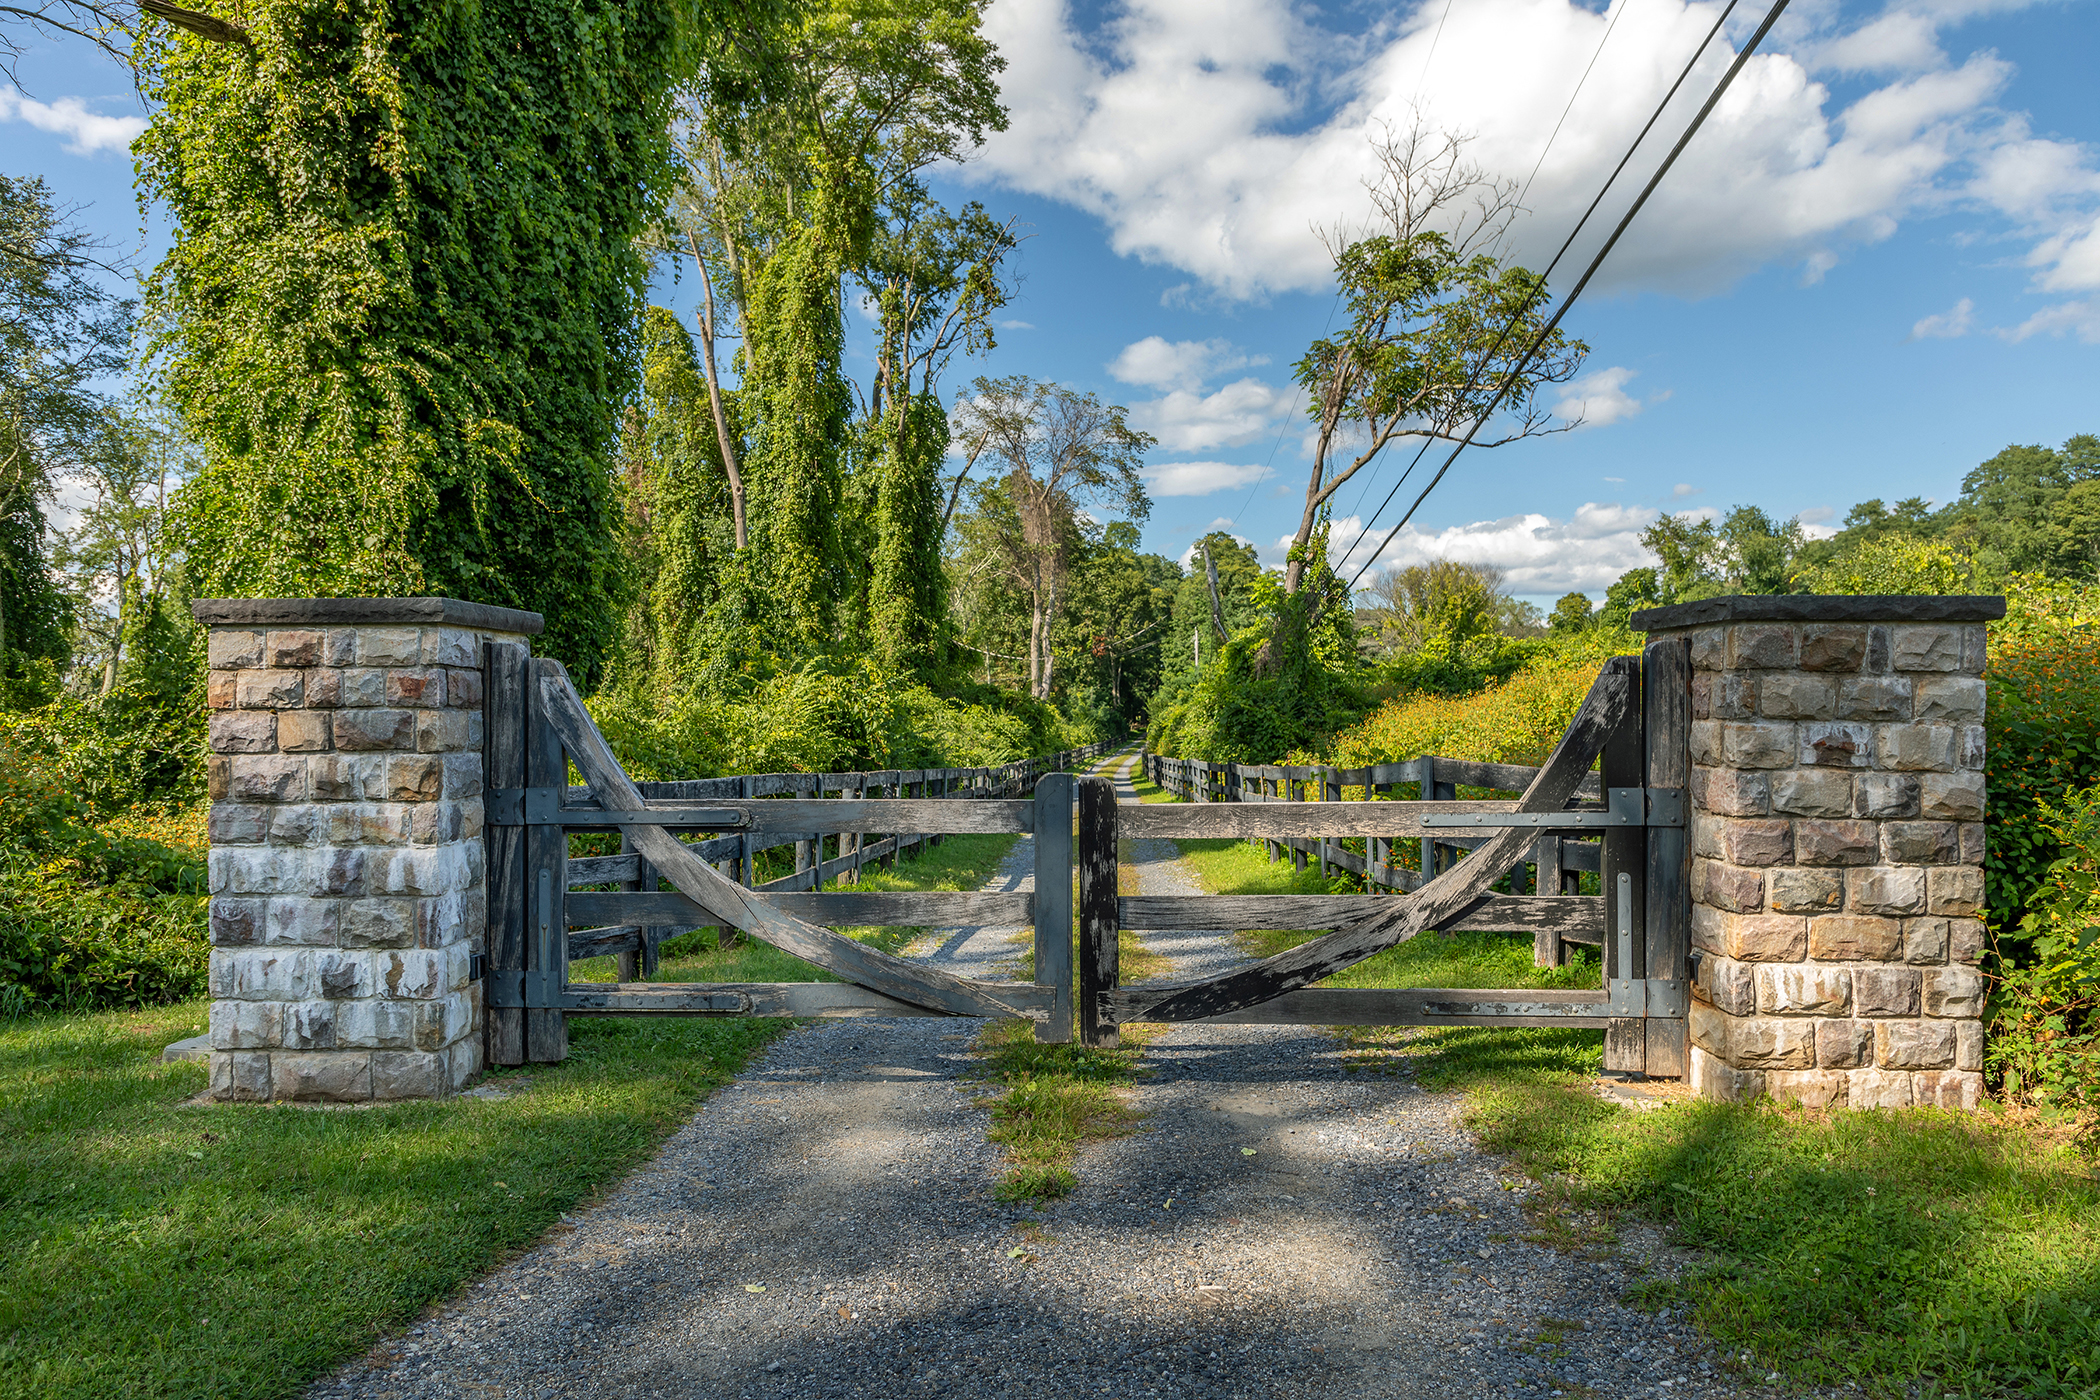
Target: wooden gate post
<point>1098,922</point>
<point>1623,870</point>
<point>1053,904</point>
<point>547,867</point>
<point>1666,691</point>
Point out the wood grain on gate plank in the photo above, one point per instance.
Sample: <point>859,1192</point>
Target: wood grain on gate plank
<point>931,909</point>
<point>1666,684</point>
<point>1308,819</point>
<point>1383,1006</point>
<point>1578,917</point>
<point>1610,698</point>
<point>730,903</point>
<point>507,678</point>
<point>1100,911</point>
<point>822,999</point>
<point>792,818</point>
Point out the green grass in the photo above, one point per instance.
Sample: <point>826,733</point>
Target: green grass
<point>1907,1253</point>
<point>161,1248</point>
<point>164,1248</point>
<point>1052,1099</point>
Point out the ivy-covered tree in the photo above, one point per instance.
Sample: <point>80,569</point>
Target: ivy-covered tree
<point>400,309</point>
<point>786,205</point>
<point>60,332</point>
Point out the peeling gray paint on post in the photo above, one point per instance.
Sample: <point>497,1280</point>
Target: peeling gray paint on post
<point>1837,846</point>
<point>346,866</point>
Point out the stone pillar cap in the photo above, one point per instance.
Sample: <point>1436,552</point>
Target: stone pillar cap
<point>1820,607</point>
<point>358,612</point>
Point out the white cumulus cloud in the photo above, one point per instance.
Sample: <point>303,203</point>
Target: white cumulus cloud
<point>1191,421</point>
<point>1196,478</point>
<point>1537,553</point>
<point>1950,324</point>
<point>1599,399</point>
<point>1210,137</point>
<point>86,132</point>
<point>1158,363</point>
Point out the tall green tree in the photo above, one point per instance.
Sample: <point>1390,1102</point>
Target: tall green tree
<point>400,308</point>
<point>1422,352</point>
<point>60,332</point>
<point>787,209</point>
<point>1062,450</point>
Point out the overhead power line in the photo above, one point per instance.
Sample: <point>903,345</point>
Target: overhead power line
<point>1517,318</point>
<point>1538,341</point>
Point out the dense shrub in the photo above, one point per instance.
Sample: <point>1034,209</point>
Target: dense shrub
<point>2042,735</point>
<point>830,717</point>
<point>2044,1043</point>
<point>93,915</point>
<point>1517,721</point>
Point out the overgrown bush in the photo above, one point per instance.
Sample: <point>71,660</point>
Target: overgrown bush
<point>2044,1043</point>
<point>829,717</point>
<point>1516,721</point>
<point>93,915</point>
<point>2042,736</point>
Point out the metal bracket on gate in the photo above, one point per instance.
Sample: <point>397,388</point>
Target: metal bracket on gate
<point>1623,807</point>
<point>541,806</point>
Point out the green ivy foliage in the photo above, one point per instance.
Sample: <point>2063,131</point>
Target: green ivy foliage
<point>400,308</point>
<point>800,409</point>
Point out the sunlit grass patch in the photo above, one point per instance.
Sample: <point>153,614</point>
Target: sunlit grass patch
<point>1054,1098</point>
<point>163,1248</point>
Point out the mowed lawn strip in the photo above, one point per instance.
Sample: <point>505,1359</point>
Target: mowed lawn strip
<point>166,1248</point>
<point>1918,1252</point>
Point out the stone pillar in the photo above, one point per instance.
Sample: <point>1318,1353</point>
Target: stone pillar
<point>1837,846</point>
<point>346,849</point>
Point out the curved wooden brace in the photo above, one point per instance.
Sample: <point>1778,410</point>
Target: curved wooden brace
<point>1395,920</point>
<point>730,902</point>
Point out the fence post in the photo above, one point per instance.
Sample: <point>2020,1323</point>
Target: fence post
<point>1098,920</point>
<point>1053,903</point>
<point>1666,691</point>
<point>506,722</point>
<point>1623,871</point>
<point>547,864</point>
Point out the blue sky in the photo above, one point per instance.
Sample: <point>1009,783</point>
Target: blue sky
<point>1878,264</point>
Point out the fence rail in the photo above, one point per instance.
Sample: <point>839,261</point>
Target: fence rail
<point>854,815</point>
<point>1416,788</point>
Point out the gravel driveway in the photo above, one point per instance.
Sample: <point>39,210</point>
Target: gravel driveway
<point>825,1227</point>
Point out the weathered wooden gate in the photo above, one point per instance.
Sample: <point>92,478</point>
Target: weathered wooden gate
<point>1636,719</point>
<point>536,727</point>
<point>1635,725</point>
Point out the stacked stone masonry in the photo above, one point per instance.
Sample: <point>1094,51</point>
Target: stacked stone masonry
<point>347,858</point>
<point>1837,806</point>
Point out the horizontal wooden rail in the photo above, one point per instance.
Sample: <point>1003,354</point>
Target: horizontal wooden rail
<point>1280,819</point>
<point>1578,918</point>
<point>937,909</point>
<point>789,818</point>
<point>823,999</point>
<point>1412,1006</point>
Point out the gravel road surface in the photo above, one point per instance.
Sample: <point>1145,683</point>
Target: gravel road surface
<point>1279,1226</point>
